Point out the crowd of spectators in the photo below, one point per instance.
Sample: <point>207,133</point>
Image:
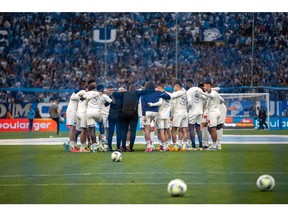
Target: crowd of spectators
<point>55,50</point>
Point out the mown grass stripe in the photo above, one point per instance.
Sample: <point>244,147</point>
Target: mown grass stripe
<point>127,184</point>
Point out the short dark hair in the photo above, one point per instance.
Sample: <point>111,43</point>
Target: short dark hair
<point>82,83</point>
<point>177,82</point>
<point>91,81</point>
<point>110,86</point>
<point>189,80</point>
<point>91,87</point>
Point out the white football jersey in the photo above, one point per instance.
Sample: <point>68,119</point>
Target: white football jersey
<point>73,103</point>
<point>195,101</point>
<point>179,102</point>
<point>164,108</point>
<point>82,104</point>
<point>105,109</point>
<point>213,101</point>
<point>96,101</point>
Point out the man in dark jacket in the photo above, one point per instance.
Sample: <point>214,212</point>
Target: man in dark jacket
<point>130,114</point>
<point>114,118</point>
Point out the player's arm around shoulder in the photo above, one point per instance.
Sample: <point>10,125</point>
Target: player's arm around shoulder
<point>158,103</point>
<point>177,94</point>
<point>106,98</point>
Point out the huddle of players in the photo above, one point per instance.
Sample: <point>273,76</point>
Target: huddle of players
<point>190,109</point>
<point>187,110</point>
<point>87,106</point>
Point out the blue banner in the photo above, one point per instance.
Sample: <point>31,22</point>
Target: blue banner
<point>212,34</point>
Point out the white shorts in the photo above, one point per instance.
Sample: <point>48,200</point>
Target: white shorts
<point>78,125</point>
<point>93,117</point>
<point>195,119</point>
<point>162,123</point>
<point>223,114</point>
<point>180,121</point>
<point>222,118</point>
<point>71,118</point>
<point>81,117</point>
<point>150,116</point>
<point>213,119</point>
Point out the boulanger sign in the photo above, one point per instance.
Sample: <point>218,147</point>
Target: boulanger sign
<point>22,125</point>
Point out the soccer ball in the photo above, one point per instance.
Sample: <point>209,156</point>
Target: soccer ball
<point>103,148</point>
<point>265,183</point>
<point>177,187</point>
<point>116,156</point>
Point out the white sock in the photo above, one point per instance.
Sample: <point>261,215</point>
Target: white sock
<point>152,136</point>
<point>127,143</point>
<point>214,145</point>
<point>205,136</point>
<point>103,137</point>
<point>83,145</point>
<point>72,144</point>
<point>165,145</point>
<point>219,137</point>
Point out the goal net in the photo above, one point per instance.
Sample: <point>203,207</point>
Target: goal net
<point>242,110</point>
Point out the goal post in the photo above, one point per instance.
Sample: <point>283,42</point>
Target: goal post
<point>242,109</point>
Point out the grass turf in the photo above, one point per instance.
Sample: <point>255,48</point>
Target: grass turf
<point>47,174</point>
<point>25,135</point>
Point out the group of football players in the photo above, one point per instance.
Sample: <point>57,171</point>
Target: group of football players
<point>176,116</point>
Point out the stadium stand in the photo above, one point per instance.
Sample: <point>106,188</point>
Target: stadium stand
<point>55,50</point>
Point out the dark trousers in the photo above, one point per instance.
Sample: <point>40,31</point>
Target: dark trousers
<point>262,122</point>
<point>30,124</point>
<point>58,124</point>
<point>125,127</point>
<point>112,125</point>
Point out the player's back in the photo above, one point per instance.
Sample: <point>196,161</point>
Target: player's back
<point>179,102</point>
<point>195,102</point>
<point>73,103</point>
<point>164,109</point>
<point>95,102</point>
<point>82,104</point>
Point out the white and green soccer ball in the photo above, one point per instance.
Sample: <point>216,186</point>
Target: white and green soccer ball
<point>265,183</point>
<point>177,187</point>
<point>116,156</point>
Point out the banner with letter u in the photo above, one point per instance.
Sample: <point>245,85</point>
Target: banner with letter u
<point>104,35</point>
<point>212,34</point>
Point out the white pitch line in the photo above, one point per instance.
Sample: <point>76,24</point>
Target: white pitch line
<point>126,184</point>
<point>227,139</point>
<point>135,173</point>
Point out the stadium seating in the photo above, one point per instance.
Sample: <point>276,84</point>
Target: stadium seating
<point>54,50</point>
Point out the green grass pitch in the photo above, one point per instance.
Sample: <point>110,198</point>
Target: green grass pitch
<point>49,175</point>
